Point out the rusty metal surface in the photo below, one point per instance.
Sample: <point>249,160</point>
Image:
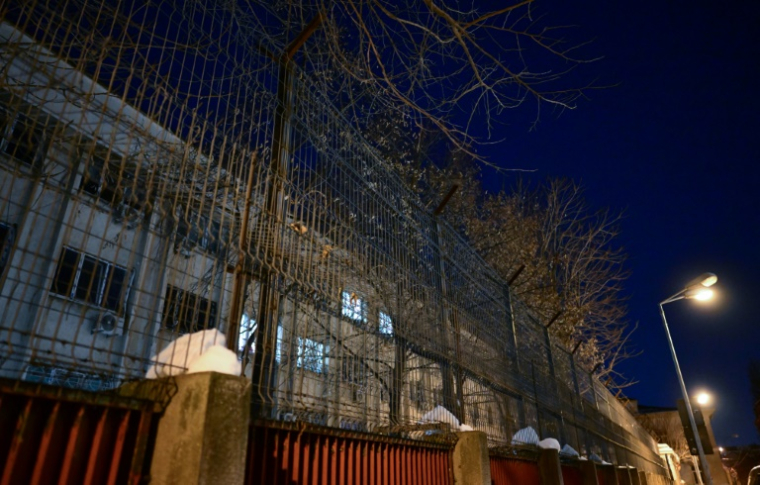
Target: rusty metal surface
<point>506,471</point>
<point>44,440</point>
<point>308,455</point>
<point>571,475</point>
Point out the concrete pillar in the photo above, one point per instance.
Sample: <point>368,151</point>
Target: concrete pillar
<point>470,460</point>
<point>203,433</point>
<point>549,467</point>
<point>589,473</point>
<point>624,478</point>
<point>643,478</point>
<point>635,477</point>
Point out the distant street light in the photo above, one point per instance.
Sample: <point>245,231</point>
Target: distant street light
<point>697,289</point>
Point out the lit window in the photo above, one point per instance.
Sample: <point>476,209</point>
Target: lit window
<point>385,324</point>
<point>353,307</point>
<point>247,328</point>
<point>310,354</point>
<point>85,278</point>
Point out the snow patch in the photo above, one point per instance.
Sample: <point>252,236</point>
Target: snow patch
<point>440,415</point>
<point>216,359</point>
<point>181,353</point>
<point>549,444</point>
<point>465,427</point>
<point>569,451</point>
<point>526,436</point>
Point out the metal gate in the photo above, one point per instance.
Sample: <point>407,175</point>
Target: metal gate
<point>283,453</point>
<point>54,435</point>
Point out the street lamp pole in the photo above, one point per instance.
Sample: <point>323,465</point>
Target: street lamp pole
<point>696,289</point>
<point>690,412</point>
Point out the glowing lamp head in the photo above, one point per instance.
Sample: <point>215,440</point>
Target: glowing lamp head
<point>700,294</point>
<point>703,398</point>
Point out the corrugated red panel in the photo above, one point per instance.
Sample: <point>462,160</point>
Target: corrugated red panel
<point>505,471</point>
<point>291,455</point>
<point>571,475</point>
<point>47,439</point>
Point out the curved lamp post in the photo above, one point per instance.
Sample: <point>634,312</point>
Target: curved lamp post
<point>697,289</point>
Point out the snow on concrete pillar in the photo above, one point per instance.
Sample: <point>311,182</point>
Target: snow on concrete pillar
<point>470,460</point>
<point>202,436</point>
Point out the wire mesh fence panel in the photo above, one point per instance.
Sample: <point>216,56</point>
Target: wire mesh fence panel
<point>169,181</point>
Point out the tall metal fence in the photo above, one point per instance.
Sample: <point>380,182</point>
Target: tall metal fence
<point>165,170</point>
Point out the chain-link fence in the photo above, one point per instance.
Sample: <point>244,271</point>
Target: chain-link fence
<point>164,170</point>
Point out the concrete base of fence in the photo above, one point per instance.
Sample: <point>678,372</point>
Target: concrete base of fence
<point>549,467</point>
<point>470,460</point>
<point>203,433</point>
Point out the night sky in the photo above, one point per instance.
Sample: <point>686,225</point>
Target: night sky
<point>675,147</point>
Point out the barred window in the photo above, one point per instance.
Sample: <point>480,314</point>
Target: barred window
<point>187,312</point>
<point>85,278</point>
<point>385,323</point>
<point>7,237</point>
<point>247,329</point>
<point>310,355</point>
<point>354,307</point>
<point>21,138</point>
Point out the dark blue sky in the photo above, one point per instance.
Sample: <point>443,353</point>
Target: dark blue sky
<point>675,146</point>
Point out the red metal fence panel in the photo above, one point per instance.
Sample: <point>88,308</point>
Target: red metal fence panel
<point>50,435</point>
<point>571,475</point>
<point>282,453</point>
<point>509,471</point>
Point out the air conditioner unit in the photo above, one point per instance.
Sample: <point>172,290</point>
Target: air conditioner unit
<point>108,323</point>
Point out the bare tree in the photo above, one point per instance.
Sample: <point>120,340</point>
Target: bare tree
<point>436,61</point>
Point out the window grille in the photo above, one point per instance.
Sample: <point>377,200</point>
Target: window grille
<point>310,355</point>
<point>385,323</point>
<point>82,277</point>
<point>354,307</point>
<point>188,312</point>
<point>7,237</point>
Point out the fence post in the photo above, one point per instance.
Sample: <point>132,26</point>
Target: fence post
<point>513,328</point>
<point>624,476</point>
<point>609,472</point>
<point>588,472</point>
<point>202,436</point>
<point>643,478</point>
<point>451,399</point>
<point>549,467</point>
<point>470,461</point>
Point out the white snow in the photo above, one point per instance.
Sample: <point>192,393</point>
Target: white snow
<point>180,354</point>
<point>440,415</point>
<point>549,444</point>
<point>526,436</point>
<point>568,451</point>
<point>465,427</point>
<point>216,359</point>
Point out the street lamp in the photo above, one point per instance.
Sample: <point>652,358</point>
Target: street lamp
<point>703,398</point>
<point>697,289</point>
